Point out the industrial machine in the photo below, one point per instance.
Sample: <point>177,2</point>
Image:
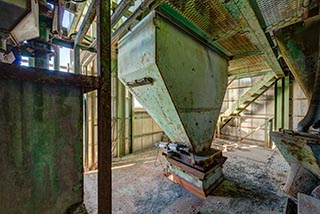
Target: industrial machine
<point>34,29</point>
<point>299,46</point>
<point>159,63</point>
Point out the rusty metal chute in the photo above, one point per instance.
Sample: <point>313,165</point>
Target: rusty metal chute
<point>181,83</point>
<point>178,80</point>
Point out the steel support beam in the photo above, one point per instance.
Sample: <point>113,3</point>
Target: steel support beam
<point>114,101</point>
<point>122,119</point>
<point>56,58</point>
<point>84,27</point>
<point>132,20</point>
<point>45,76</point>
<point>286,102</point>
<point>258,37</point>
<point>76,19</point>
<point>129,110</point>
<point>278,114</point>
<point>76,60</point>
<point>104,106</point>
<point>250,74</point>
<point>120,10</point>
<point>282,103</point>
<point>86,23</point>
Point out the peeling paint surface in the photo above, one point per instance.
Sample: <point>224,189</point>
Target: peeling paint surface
<point>185,96</point>
<point>40,147</point>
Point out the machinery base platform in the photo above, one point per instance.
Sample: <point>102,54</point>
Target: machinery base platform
<point>194,180</point>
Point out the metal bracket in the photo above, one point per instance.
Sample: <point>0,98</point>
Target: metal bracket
<point>140,82</point>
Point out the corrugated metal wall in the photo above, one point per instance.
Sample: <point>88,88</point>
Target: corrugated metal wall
<point>146,131</point>
<point>299,104</point>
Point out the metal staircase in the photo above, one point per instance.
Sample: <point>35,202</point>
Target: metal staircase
<point>247,98</point>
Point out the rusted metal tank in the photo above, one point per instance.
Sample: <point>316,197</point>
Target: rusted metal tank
<point>181,83</point>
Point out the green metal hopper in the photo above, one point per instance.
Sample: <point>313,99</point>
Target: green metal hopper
<point>179,80</point>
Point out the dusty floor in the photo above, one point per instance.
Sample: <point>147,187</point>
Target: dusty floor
<point>253,177</point>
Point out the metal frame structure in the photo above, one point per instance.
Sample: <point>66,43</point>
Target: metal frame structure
<point>249,28</point>
<point>104,106</point>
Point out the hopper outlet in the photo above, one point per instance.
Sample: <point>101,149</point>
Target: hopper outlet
<point>179,81</point>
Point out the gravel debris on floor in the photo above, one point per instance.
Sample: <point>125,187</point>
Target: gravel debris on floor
<point>252,185</point>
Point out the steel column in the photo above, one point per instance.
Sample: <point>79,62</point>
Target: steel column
<point>57,58</point>
<point>122,119</point>
<point>258,37</point>
<point>104,106</point>
<point>114,101</point>
<point>92,103</point>
<point>282,103</point>
<point>278,104</point>
<point>129,110</point>
<point>76,60</point>
<point>286,102</point>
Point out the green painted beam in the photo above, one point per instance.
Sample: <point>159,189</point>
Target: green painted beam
<point>284,23</point>
<point>243,74</point>
<point>121,109</point>
<point>286,102</point>
<point>282,103</point>
<point>278,110</point>
<point>257,35</point>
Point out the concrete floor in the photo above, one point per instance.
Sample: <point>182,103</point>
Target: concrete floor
<point>253,175</point>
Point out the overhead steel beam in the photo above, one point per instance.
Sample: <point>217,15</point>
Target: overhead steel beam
<point>104,106</point>
<point>86,23</point>
<point>239,75</point>
<point>45,76</point>
<point>76,19</point>
<point>257,35</point>
<point>120,10</point>
<point>84,27</point>
<point>284,23</point>
<point>132,20</point>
